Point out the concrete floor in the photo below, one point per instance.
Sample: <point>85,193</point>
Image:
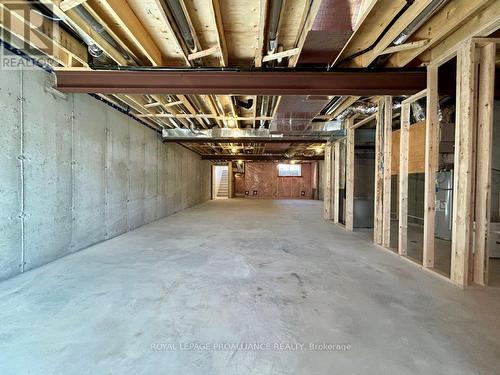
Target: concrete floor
<point>243,271</point>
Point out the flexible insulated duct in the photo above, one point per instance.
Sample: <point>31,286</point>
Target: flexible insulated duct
<point>365,108</point>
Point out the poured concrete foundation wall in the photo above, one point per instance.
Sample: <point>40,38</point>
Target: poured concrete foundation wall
<point>75,172</point>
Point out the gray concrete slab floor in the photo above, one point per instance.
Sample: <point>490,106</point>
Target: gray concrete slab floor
<point>260,273</point>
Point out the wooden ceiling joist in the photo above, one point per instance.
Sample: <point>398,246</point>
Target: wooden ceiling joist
<point>443,23</point>
<point>221,39</point>
<point>140,109</point>
<point>70,4</point>
<point>202,116</point>
<point>414,10</point>
<point>482,23</point>
<point>132,27</point>
<point>308,18</point>
<point>185,101</point>
<point>375,20</point>
<point>171,31</point>
<point>261,40</point>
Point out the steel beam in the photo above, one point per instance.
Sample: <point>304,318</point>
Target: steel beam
<point>252,157</point>
<point>360,82</point>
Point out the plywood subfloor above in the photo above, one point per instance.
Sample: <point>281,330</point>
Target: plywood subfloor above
<point>152,18</point>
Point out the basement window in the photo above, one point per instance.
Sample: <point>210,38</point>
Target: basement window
<point>289,170</point>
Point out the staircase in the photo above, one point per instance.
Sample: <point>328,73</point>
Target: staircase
<point>222,191</point>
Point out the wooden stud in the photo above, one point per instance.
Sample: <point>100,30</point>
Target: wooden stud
<point>230,178</point>
<point>379,175</point>
<point>483,156</point>
<point>328,188</point>
<point>464,164</point>
<point>403,179</point>
<point>431,165</point>
<point>336,182</point>
<point>349,183</point>
<point>387,156</point>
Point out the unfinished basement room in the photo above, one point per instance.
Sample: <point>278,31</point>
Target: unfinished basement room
<point>264,187</point>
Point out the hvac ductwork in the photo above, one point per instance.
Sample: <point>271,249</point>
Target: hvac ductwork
<point>94,50</point>
<point>261,135</point>
<point>274,20</point>
<point>418,21</point>
<point>333,105</point>
<point>446,110</point>
<point>180,18</point>
<point>365,108</point>
<point>418,110</point>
